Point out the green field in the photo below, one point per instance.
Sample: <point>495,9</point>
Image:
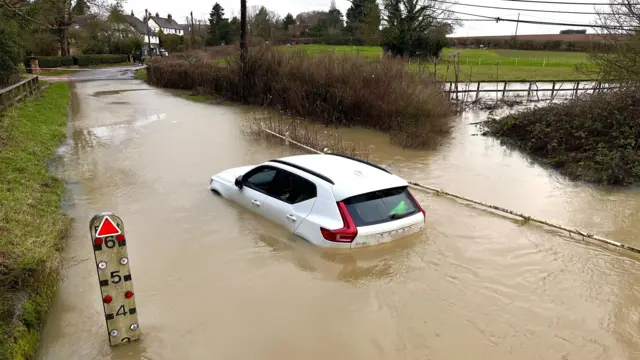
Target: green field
<point>478,64</point>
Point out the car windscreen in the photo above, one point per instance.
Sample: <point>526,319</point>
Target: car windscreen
<point>381,206</point>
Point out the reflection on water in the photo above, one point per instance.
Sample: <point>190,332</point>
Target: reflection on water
<point>216,281</point>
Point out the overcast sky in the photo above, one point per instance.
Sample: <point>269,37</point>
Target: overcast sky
<point>180,9</point>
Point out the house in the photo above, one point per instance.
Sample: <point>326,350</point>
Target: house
<point>150,37</point>
<point>168,25</point>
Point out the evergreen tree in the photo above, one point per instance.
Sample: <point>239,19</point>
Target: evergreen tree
<point>219,27</point>
<point>363,20</point>
<point>288,21</point>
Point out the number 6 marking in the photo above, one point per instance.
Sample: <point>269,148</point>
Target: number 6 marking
<point>110,243</point>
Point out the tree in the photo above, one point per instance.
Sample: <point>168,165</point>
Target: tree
<point>172,42</point>
<point>219,27</point>
<point>413,27</point>
<point>81,8</point>
<point>234,29</point>
<point>288,21</point>
<point>334,19</point>
<point>12,50</point>
<point>363,21</point>
<point>618,52</point>
<point>260,23</point>
<point>572,31</point>
<point>56,16</point>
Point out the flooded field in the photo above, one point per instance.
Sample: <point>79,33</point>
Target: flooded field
<point>214,281</point>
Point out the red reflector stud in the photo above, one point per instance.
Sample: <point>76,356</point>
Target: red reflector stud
<point>128,294</point>
<point>120,238</point>
<point>107,299</point>
<point>98,241</point>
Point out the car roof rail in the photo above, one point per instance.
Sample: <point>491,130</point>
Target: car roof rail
<point>360,161</point>
<point>302,168</point>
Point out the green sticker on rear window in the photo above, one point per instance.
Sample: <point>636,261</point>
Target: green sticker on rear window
<point>399,209</point>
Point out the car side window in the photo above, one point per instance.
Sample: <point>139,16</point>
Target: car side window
<point>261,178</point>
<point>291,188</point>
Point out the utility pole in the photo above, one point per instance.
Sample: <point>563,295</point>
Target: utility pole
<point>243,29</point>
<point>243,49</point>
<point>192,30</point>
<point>517,23</point>
<point>146,18</point>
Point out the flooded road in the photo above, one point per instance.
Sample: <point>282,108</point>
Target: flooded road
<point>213,281</point>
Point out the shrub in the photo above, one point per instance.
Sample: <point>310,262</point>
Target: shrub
<point>335,89</point>
<point>595,138</point>
<point>86,60</point>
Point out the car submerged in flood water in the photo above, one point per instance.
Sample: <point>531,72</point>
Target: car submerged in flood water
<point>330,200</point>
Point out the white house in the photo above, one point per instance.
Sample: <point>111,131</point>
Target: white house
<point>150,40</point>
<point>167,25</point>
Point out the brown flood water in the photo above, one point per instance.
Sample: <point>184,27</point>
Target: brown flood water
<point>214,281</point>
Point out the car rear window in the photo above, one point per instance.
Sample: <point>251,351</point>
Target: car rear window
<point>381,206</point>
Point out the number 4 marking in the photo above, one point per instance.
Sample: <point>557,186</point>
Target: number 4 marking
<point>121,311</point>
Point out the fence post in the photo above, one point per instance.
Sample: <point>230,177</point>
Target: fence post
<point>504,90</point>
<point>477,91</point>
<point>553,87</point>
<point>529,90</point>
<point>577,87</point>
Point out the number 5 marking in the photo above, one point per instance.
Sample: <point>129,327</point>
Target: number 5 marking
<point>114,275</point>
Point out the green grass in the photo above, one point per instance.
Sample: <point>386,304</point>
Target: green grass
<point>32,223</point>
<point>141,74</point>
<point>480,65</point>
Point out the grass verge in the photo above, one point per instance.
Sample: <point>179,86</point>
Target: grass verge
<point>141,74</point>
<point>32,223</point>
<point>302,132</point>
<point>594,138</point>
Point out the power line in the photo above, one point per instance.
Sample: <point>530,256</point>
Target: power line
<point>516,9</point>
<point>559,2</point>
<point>498,19</point>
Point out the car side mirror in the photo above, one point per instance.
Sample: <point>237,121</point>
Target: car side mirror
<point>238,182</point>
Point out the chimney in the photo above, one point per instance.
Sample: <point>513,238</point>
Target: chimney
<point>132,13</point>
<point>169,17</point>
<point>157,15</point>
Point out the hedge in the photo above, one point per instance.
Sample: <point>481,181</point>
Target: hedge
<point>85,60</point>
<point>80,60</point>
<point>50,61</point>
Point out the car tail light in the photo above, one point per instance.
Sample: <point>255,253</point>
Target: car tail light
<point>347,233</point>
<point>417,203</point>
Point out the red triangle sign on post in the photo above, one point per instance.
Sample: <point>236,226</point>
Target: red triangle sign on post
<point>107,228</point>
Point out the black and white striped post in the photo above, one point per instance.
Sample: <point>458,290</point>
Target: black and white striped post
<point>109,243</point>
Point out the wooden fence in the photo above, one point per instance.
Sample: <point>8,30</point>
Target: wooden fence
<point>16,92</point>
<point>532,88</point>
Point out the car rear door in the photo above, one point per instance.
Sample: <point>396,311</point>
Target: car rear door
<point>291,199</point>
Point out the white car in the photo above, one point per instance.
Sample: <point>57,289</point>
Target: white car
<point>330,200</point>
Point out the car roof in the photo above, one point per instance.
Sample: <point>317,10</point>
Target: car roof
<point>350,177</point>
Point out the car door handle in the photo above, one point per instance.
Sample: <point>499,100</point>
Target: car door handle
<point>255,202</point>
<point>291,217</point>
